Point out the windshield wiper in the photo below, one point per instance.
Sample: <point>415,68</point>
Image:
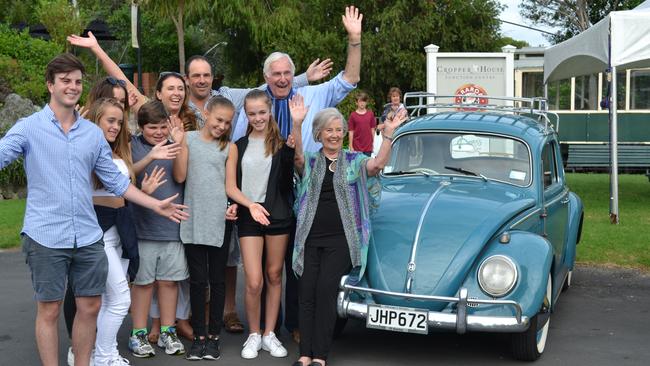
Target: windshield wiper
<point>467,172</point>
<point>410,172</point>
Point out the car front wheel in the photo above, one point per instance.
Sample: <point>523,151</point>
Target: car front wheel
<point>529,345</point>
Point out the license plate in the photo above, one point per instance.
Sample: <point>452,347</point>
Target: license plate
<point>397,319</point>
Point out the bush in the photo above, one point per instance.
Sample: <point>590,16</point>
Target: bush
<point>13,175</point>
<point>22,63</point>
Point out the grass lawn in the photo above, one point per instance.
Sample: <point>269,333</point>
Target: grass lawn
<point>11,221</point>
<point>626,244</point>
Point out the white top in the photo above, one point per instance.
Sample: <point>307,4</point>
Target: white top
<point>255,168</point>
<point>121,165</point>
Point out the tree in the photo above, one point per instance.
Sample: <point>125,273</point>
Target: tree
<point>504,41</point>
<point>395,33</point>
<point>61,19</point>
<point>178,11</point>
<point>570,17</point>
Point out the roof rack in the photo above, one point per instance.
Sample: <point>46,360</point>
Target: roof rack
<point>531,106</point>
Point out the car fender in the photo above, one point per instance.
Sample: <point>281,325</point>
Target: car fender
<point>533,256</point>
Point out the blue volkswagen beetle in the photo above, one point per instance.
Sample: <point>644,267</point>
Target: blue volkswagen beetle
<point>476,230</point>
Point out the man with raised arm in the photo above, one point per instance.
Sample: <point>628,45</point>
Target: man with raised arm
<point>199,77</point>
<point>62,240</point>
<point>278,73</point>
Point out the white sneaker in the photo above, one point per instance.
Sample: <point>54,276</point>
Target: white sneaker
<point>71,357</point>
<point>272,344</point>
<point>119,361</point>
<point>252,346</point>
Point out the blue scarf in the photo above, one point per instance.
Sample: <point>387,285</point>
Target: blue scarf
<point>281,112</point>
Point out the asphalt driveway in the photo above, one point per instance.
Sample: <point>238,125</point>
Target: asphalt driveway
<point>604,319</point>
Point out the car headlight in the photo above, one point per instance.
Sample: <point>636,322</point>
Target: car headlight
<point>497,275</point>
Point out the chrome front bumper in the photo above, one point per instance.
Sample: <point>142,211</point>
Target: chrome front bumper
<point>459,322</point>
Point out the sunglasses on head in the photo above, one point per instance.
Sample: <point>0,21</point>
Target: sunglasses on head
<point>114,81</point>
<point>166,73</point>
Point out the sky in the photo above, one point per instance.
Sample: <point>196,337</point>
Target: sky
<point>511,14</point>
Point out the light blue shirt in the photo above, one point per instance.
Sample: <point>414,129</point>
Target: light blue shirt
<point>317,97</point>
<point>59,212</point>
<point>237,96</point>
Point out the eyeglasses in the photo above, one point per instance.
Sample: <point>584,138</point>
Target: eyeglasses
<point>114,81</point>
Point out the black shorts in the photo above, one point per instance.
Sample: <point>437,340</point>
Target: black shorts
<point>247,226</point>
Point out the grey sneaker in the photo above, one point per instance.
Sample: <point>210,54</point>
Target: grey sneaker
<point>212,351</point>
<point>140,346</point>
<point>170,342</point>
<point>197,349</point>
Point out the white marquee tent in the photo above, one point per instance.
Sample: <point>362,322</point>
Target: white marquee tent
<point>619,41</point>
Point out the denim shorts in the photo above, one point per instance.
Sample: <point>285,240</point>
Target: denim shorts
<point>86,268</point>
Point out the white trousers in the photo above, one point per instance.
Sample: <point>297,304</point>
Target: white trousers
<point>115,300</point>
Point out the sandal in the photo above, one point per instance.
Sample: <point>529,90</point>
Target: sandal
<point>232,324</point>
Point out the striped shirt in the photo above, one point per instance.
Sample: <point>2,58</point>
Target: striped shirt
<point>59,212</point>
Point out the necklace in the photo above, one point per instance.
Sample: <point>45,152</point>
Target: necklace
<point>332,166</point>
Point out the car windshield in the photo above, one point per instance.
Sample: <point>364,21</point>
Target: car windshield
<point>476,155</point>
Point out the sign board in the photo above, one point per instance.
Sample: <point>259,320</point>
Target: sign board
<point>471,74</point>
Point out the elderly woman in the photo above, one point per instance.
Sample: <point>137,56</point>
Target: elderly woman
<point>335,195</point>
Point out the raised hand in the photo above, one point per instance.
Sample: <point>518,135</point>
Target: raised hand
<point>164,152</point>
<point>352,23</point>
<point>133,98</point>
<point>291,141</point>
<point>151,182</point>
<point>298,109</point>
<point>172,211</point>
<point>85,42</point>
<point>319,69</point>
<point>391,124</point>
<point>176,129</point>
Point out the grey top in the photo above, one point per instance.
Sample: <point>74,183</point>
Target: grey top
<point>255,168</point>
<point>205,192</point>
<point>148,224</point>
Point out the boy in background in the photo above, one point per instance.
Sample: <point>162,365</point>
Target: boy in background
<point>362,126</point>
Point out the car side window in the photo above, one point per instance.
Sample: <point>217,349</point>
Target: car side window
<point>549,165</point>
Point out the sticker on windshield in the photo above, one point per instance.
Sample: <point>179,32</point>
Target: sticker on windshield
<point>517,175</point>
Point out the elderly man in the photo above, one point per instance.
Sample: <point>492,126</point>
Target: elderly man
<point>279,71</point>
<point>198,75</point>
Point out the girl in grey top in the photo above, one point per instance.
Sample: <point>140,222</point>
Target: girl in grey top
<point>201,164</point>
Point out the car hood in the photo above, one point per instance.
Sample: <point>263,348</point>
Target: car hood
<point>455,219</point>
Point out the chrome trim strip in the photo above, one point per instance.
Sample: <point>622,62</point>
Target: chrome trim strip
<point>411,265</point>
<point>560,196</point>
<point>459,322</point>
<point>520,221</point>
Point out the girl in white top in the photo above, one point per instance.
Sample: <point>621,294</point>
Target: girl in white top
<point>108,114</point>
<point>259,176</point>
